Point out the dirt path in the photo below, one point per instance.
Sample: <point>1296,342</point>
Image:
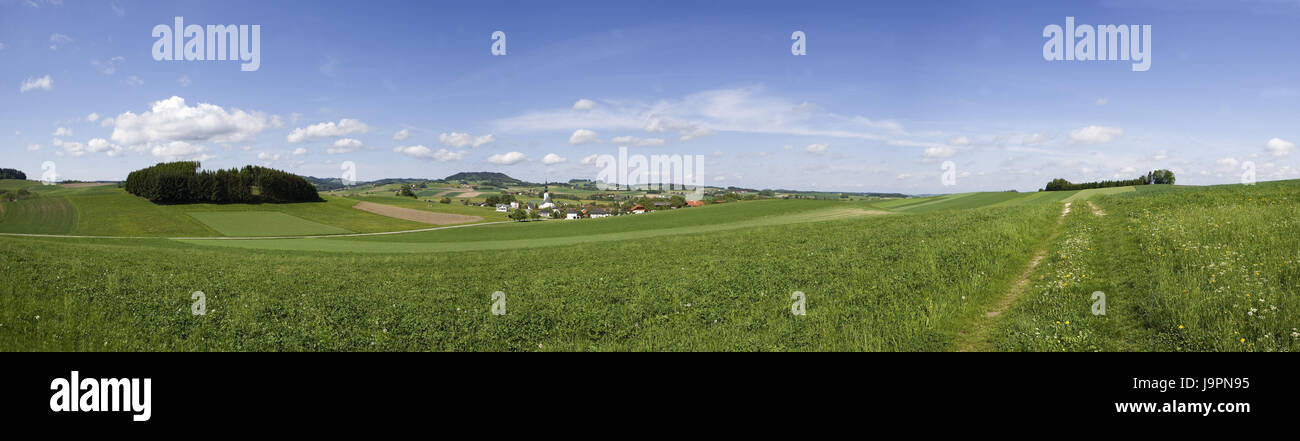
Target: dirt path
<point>412,214</point>
<point>976,339</point>
<point>1096,210</point>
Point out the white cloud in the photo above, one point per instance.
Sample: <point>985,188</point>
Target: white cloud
<point>687,130</point>
<point>267,156</point>
<point>552,158</point>
<point>172,120</point>
<point>92,117</point>
<point>633,141</point>
<point>589,160</point>
<point>507,158</point>
<point>1095,135</point>
<point>133,81</point>
<point>939,151</point>
<point>102,145</point>
<point>345,126</point>
<point>903,176</point>
<point>107,122</point>
<point>62,131</point>
<point>43,83</point>
<point>584,104</point>
<point>33,147</point>
<point>583,136</point>
<point>442,155</point>
<point>1034,139</point>
<point>1161,155</point>
<point>816,148</point>
<point>344,145</point>
<point>108,67</point>
<point>461,140</point>
<point>179,151</point>
<point>299,151</point>
<point>58,40</point>
<point>1228,162</point>
<point>1279,147</point>
<point>960,141</point>
<point>401,135</point>
<point>742,110</point>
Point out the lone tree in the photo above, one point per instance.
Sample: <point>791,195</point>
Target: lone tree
<point>1161,176</point>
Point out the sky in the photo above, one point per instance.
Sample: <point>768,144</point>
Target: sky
<point>887,96</point>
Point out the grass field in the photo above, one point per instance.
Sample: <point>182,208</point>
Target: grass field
<point>261,223</point>
<point>110,211</point>
<point>1182,269</point>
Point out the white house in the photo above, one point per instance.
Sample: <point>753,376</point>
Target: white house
<point>502,208</point>
<point>573,214</point>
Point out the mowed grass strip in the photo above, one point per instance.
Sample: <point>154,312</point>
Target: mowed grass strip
<point>262,223</point>
<point>52,215</point>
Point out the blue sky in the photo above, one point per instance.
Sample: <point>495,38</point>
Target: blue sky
<point>887,92</point>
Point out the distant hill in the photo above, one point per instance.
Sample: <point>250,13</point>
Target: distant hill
<point>492,178</point>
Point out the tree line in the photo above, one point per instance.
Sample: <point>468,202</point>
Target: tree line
<point>9,173</point>
<point>183,183</point>
<point>1153,177</point>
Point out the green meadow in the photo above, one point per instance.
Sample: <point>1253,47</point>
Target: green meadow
<point>1181,269</point>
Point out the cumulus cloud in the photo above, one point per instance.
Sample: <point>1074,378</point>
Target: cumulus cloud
<point>299,151</point>
<point>62,131</point>
<point>172,120</point>
<point>507,158</point>
<point>179,151</point>
<point>344,127</point>
<point>442,155</point>
<point>462,140</point>
<point>589,160</point>
<point>816,148</point>
<point>1279,147</point>
<point>401,135</point>
<point>102,145</point>
<point>1095,135</point>
<point>43,83</point>
<point>633,141</point>
<point>1228,162</point>
<point>583,136</point>
<point>268,156</point>
<point>92,117</point>
<point>960,141</point>
<point>938,151</point>
<point>33,147</point>
<point>584,104</point>
<point>344,145</point>
<point>552,158</point>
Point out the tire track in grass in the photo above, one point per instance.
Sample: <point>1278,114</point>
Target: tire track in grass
<point>976,339</point>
